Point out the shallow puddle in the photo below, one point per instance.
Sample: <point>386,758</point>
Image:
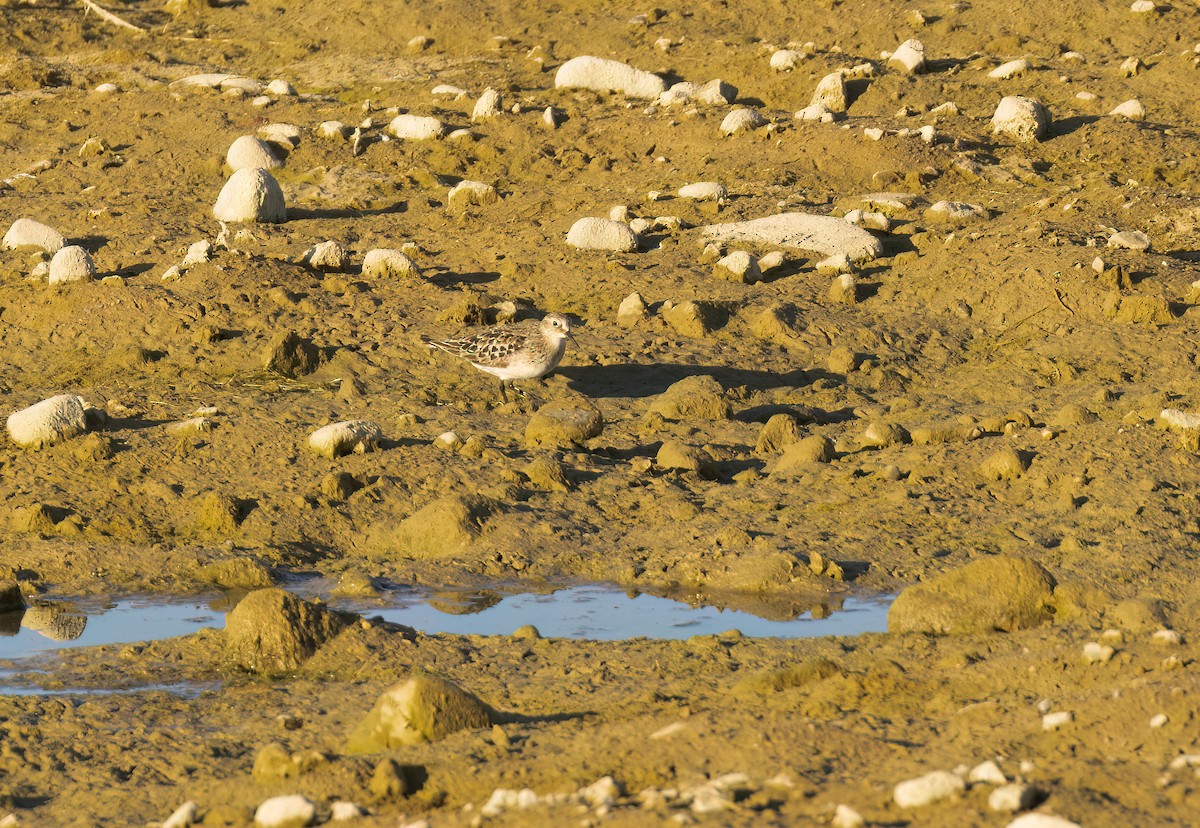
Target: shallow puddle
<point>603,613</point>
<point>595,612</point>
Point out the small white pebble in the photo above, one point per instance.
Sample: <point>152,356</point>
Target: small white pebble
<point>847,817</point>
<point>1095,653</point>
<point>988,772</point>
<point>1158,721</point>
<point>1166,638</point>
<point>1053,721</point>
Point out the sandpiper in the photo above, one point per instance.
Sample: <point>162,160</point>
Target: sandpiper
<point>525,350</point>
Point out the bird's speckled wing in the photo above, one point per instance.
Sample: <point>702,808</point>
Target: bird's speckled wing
<point>493,347</point>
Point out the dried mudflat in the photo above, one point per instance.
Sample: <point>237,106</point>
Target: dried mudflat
<point>980,392</point>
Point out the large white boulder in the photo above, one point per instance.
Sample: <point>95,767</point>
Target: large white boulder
<point>824,234</point>
<point>603,75</point>
<point>48,422</point>
<point>29,233</point>
<point>71,264</point>
<point>602,234</point>
<point>250,194</point>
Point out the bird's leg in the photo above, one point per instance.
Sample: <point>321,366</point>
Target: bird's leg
<point>503,392</point>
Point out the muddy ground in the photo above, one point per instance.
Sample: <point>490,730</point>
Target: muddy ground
<point>1018,389</point>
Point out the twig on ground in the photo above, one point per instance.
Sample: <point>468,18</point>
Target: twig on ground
<point>108,16</point>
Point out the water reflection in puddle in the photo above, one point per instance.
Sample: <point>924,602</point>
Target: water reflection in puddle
<point>594,612</point>
<point>56,625</point>
<point>601,613</point>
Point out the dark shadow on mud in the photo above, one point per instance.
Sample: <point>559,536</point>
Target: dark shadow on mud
<point>632,380</point>
<point>1066,126</point>
<point>301,213</point>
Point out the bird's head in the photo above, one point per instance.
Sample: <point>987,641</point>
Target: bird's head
<point>556,326</point>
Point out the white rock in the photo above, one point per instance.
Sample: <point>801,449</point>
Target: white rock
<point>704,191</point>
<point>1041,821</point>
<point>928,134</point>
<point>831,93</point>
<point>447,91</point>
<point>172,273</point>
<point>248,151</point>
<point>211,80</point>
<point>947,108</point>
<point>247,86</point>
<point>1013,797</point>
<point>602,234</point>
<point>48,422</point>
<point>987,772</point>
<point>488,105</point>
<point>927,789</point>
<point>283,135</point>
<point>846,817</point>
<point>1010,70</point>
<point>416,127</point>
<point>251,194</point>
<point>107,89</point>
<point>813,112</point>
<point>467,193</point>
<point>603,792</point>
<point>191,426</point>
<point>1158,721</point>
<point>448,441</point>
<point>1166,638</point>
<point>619,212</point>
<point>262,100</point>
<point>1085,95</point>
<point>640,225</point>
<point>280,88</point>
<point>869,220</point>
<point>333,131</point>
<point>71,264</point>
<point>1130,240</point>
<point>827,235</point>
<point>285,812</point>
<point>386,263</point>
<point>835,264</point>
<point>602,75</point>
<point>29,233</point>
<point>503,799</point>
<point>343,811</point>
<point>1131,110</point>
<point>1177,420</point>
<point>419,43</point>
<point>909,56</point>
<point>710,800</point>
<point>631,310</point>
<point>551,117</point>
<point>957,212</point>
<point>714,93</point>
<point>197,253</point>
<point>1053,721</point>
<point>771,261</point>
<point>1021,118</point>
<point>1143,7</point>
<point>1184,761</point>
<point>1131,66</point>
<point>182,816</point>
<point>874,133</point>
<point>742,120</point>
<point>739,266</point>
<point>346,437</point>
<point>785,60</point>
<point>327,256</point>
<point>1096,653</point>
